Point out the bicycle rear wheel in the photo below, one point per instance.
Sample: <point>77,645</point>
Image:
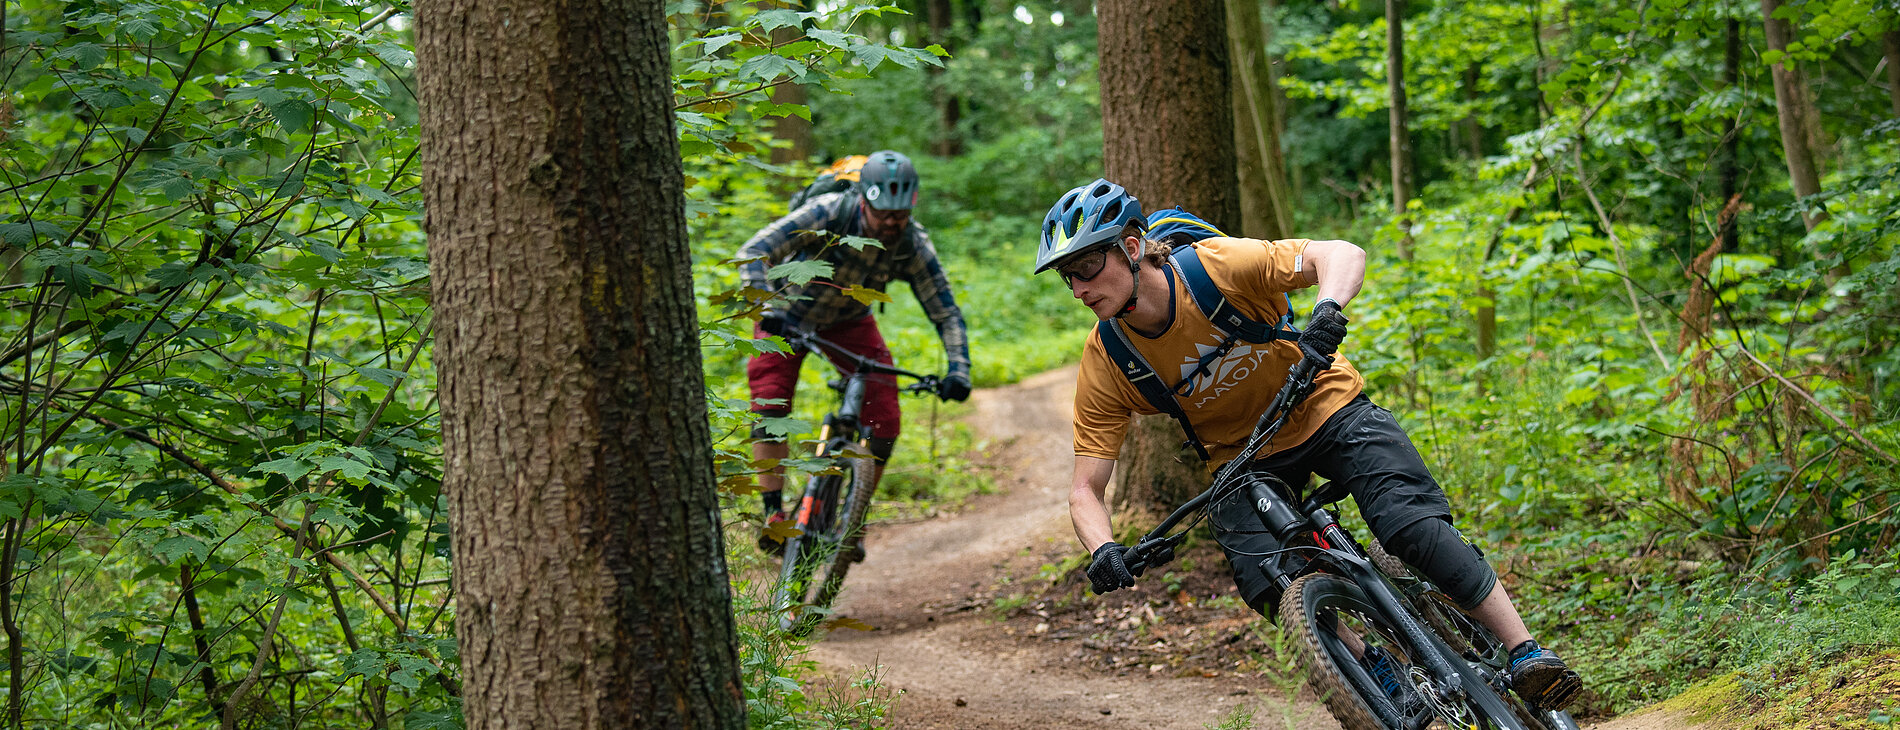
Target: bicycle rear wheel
<point>1327,613</point>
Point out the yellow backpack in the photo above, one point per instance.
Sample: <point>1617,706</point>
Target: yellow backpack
<point>841,175</point>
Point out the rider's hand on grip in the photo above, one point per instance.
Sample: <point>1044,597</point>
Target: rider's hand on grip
<point>954,387</point>
<point>1109,571</point>
<point>1325,329</point>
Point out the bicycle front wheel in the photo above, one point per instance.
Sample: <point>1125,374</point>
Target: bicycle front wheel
<point>815,569</point>
<point>1334,624</point>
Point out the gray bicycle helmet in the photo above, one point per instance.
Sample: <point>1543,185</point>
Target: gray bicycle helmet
<point>888,181</point>
<point>1088,217</point>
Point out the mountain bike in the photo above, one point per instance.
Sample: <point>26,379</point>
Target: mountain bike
<point>829,519</point>
<point>1340,599</point>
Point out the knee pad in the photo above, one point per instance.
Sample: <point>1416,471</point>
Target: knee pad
<point>1437,551</point>
<point>758,430</point>
<point>882,448</point>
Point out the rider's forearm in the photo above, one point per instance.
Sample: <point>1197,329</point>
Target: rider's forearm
<point>1339,269</point>
<point>1087,508</point>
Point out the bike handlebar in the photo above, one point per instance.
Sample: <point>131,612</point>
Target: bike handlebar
<point>811,341</point>
<point>1157,546</point>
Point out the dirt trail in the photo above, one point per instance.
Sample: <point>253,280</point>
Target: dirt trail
<point>958,669</point>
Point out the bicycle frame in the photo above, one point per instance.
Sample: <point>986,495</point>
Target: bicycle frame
<point>1335,547</point>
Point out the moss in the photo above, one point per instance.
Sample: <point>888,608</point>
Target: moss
<point>1710,701</point>
<point>1858,692</point>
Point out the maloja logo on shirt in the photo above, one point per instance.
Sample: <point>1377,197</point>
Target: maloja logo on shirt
<point>1223,375</point>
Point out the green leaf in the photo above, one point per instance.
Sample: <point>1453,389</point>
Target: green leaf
<point>85,55</point>
<point>350,469</point>
<point>772,20</point>
<point>21,235</point>
<point>799,272</point>
<point>769,68</point>
<point>782,427</point>
<point>858,243</point>
<point>433,720</point>
<point>832,38</point>
<point>870,55</point>
<point>714,43</point>
<point>294,115</point>
<point>171,549</point>
<point>292,468</point>
<point>393,54</point>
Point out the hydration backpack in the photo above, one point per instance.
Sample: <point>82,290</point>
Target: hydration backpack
<point>840,176</point>
<point>1184,230</point>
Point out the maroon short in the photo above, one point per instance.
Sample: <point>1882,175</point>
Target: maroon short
<point>775,375</point>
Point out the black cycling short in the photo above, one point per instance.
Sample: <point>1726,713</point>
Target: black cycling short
<point>1362,448</point>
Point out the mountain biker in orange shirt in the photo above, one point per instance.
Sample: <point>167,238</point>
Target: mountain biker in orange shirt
<point>1094,237</point>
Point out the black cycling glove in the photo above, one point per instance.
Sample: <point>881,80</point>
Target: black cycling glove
<point>954,387</point>
<point>1324,331</point>
<point>1109,571</point>
<point>773,324</point>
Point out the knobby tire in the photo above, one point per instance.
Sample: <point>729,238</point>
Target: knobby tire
<point>1347,688</point>
<point>815,563</point>
<point>1465,635</point>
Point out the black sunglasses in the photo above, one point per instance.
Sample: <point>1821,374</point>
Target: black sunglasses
<point>1084,267</point>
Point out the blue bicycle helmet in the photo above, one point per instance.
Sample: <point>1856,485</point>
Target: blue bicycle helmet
<point>888,181</point>
<point>1088,217</point>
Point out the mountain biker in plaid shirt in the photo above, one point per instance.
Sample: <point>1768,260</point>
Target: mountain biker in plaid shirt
<point>878,207</point>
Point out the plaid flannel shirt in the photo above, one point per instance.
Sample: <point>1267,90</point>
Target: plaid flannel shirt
<point>803,235</point>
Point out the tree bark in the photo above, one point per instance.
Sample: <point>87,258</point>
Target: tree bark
<point>1167,136</point>
<point>590,580</point>
<point>1265,200</point>
<point>1401,141</point>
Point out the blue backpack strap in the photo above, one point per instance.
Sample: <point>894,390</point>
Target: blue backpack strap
<point>1140,374</point>
<point>1215,306</point>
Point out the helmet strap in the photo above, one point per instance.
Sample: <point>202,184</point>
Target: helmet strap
<point>1134,269</point>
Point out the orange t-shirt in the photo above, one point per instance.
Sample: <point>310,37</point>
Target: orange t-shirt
<point>1224,404</point>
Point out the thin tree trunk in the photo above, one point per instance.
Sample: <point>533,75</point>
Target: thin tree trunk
<point>1473,130</point>
<point>1281,105</point>
<point>1265,206</point>
<point>1167,136</point>
<point>1795,112</point>
<point>1730,168</point>
<point>590,580</point>
<point>1891,39</point>
<point>948,142</point>
<point>791,127</point>
<point>1401,142</point>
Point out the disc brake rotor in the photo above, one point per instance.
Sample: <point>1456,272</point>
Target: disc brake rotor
<point>1455,714</point>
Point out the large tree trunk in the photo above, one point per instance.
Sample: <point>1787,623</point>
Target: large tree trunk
<point>590,582</point>
<point>1401,142</point>
<point>1167,135</point>
<point>1265,200</point>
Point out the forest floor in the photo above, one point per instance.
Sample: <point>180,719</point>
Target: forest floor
<point>982,619</point>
